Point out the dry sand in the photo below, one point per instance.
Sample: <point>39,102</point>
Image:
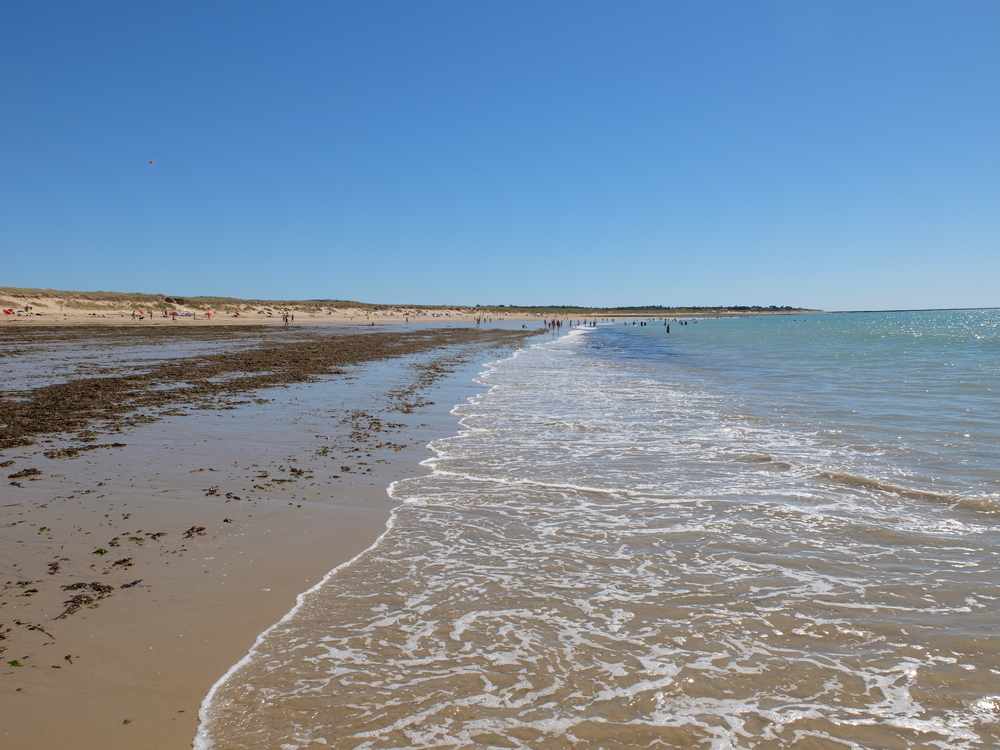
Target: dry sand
<point>49,311</point>
<point>222,515</point>
<point>79,308</point>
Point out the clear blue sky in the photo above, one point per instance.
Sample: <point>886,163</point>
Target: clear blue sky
<point>841,155</point>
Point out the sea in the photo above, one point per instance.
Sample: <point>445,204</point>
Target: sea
<point>766,532</point>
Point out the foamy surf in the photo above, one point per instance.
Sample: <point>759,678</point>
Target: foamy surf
<point>595,562</point>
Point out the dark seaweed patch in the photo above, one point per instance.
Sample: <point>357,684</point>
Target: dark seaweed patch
<point>120,400</point>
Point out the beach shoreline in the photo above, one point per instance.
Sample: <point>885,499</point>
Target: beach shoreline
<point>24,307</point>
<point>223,515</point>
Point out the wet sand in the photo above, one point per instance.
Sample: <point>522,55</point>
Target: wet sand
<point>222,512</point>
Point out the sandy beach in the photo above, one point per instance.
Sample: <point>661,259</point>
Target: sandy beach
<point>72,309</point>
<point>47,308</point>
<point>148,543</point>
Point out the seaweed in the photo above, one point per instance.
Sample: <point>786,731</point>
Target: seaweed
<point>121,398</point>
<point>97,591</point>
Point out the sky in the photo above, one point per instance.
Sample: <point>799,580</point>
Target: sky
<point>831,155</point>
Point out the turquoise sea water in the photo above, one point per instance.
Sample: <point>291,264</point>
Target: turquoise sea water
<point>747,533</point>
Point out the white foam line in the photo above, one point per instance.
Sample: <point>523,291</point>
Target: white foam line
<point>202,741</point>
<point>557,486</point>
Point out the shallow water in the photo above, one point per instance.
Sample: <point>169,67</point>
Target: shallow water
<point>35,358</point>
<point>747,533</point>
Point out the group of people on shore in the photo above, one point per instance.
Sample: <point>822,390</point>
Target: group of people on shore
<point>27,311</point>
<point>140,314</point>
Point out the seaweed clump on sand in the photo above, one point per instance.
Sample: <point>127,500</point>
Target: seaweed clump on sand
<point>123,397</point>
<point>93,592</point>
<point>76,450</point>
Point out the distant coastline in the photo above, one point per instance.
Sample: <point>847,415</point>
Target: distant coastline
<point>95,306</point>
<point>913,309</point>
